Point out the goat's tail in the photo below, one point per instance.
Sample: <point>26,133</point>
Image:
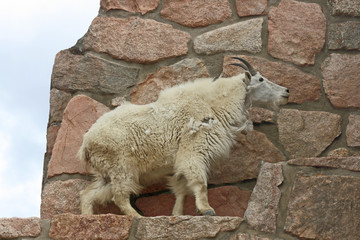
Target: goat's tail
<point>83,154</point>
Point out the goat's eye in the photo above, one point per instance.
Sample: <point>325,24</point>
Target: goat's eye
<point>261,79</point>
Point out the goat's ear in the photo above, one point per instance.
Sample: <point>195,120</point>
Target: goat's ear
<point>247,79</point>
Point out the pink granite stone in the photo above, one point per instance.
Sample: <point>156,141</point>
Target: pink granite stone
<point>262,209</point>
<point>296,31</point>
<point>19,227</point>
<point>185,227</point>
<point>133,6</point>
<point>135,39</point>
<point>307,133</point>
<point>341,79</point>
<point>109,226</point>
<point>79,115</point>
<point>324,207</point>
<point>246,8</point>
<point>353,131</point>
<point>196,13</point>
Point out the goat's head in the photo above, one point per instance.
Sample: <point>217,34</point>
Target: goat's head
<point>261,91</point>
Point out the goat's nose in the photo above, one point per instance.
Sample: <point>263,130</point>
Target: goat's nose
<point>287,90</point>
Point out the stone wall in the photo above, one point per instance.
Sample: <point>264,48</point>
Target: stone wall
<point>297,176</point>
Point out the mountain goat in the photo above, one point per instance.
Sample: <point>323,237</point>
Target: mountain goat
<point>175,138</point>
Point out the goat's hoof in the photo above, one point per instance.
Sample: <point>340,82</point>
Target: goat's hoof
<point>209,212</point>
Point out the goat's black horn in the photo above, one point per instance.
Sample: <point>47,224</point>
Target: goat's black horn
<point>240,65</point>
<point>250,68</point>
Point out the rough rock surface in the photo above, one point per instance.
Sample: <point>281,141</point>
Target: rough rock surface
<point>262,209</point>
<point>64,197</point>
<point>61,197</point>
<point>135,39</point>
<point>117,101</point>
<point>344,35</point>
<point>157,187</point>
<point>51,134</point>
<point>303,87</point>
<point>109,226</point>
<point>58,102</point>
<point>345,7</point>
<point>19,227</point>
<point>251,8</point>
<point>91,73</point>
<point>353,131</point>
<point>79,115</point>
<point>259,115</point>
<point>133,6</point>
<point>349,163</point>
<point>307,133</point>
<point>245,159</point>
<point>184,227</point>
<point>226,201</point>
<point>247,236</point>
<point>339,152</point>
<point>296,31</point>
<point>196,13</point>
<point>168,76</point>
<point>324,207</point>
<point>109,208</point>
<point>242,36</point>
<point>341,79</point>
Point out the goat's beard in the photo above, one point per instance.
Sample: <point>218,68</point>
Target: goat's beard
<point>271,105</point>
<point>283,101</point>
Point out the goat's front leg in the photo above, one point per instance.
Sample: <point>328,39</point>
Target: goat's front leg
<point>194,171</point>
<point>201,198</point>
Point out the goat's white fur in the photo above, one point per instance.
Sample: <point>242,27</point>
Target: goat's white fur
<point>177,138</point>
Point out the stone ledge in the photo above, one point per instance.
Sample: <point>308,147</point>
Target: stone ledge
<point>19,227</point>
<point>185,227</point>
<point>349,163</point>
<point>108,226</point>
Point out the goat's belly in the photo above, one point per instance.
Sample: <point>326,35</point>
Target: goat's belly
<point>156,176</point>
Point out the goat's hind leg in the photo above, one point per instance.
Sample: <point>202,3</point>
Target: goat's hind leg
<point>122,187</point>
<point>178,187</point>
<point>97,192</point>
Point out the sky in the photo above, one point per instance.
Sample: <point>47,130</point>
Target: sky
<point>32,32</point>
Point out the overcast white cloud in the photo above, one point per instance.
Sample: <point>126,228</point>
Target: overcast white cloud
<point>32,32</point>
